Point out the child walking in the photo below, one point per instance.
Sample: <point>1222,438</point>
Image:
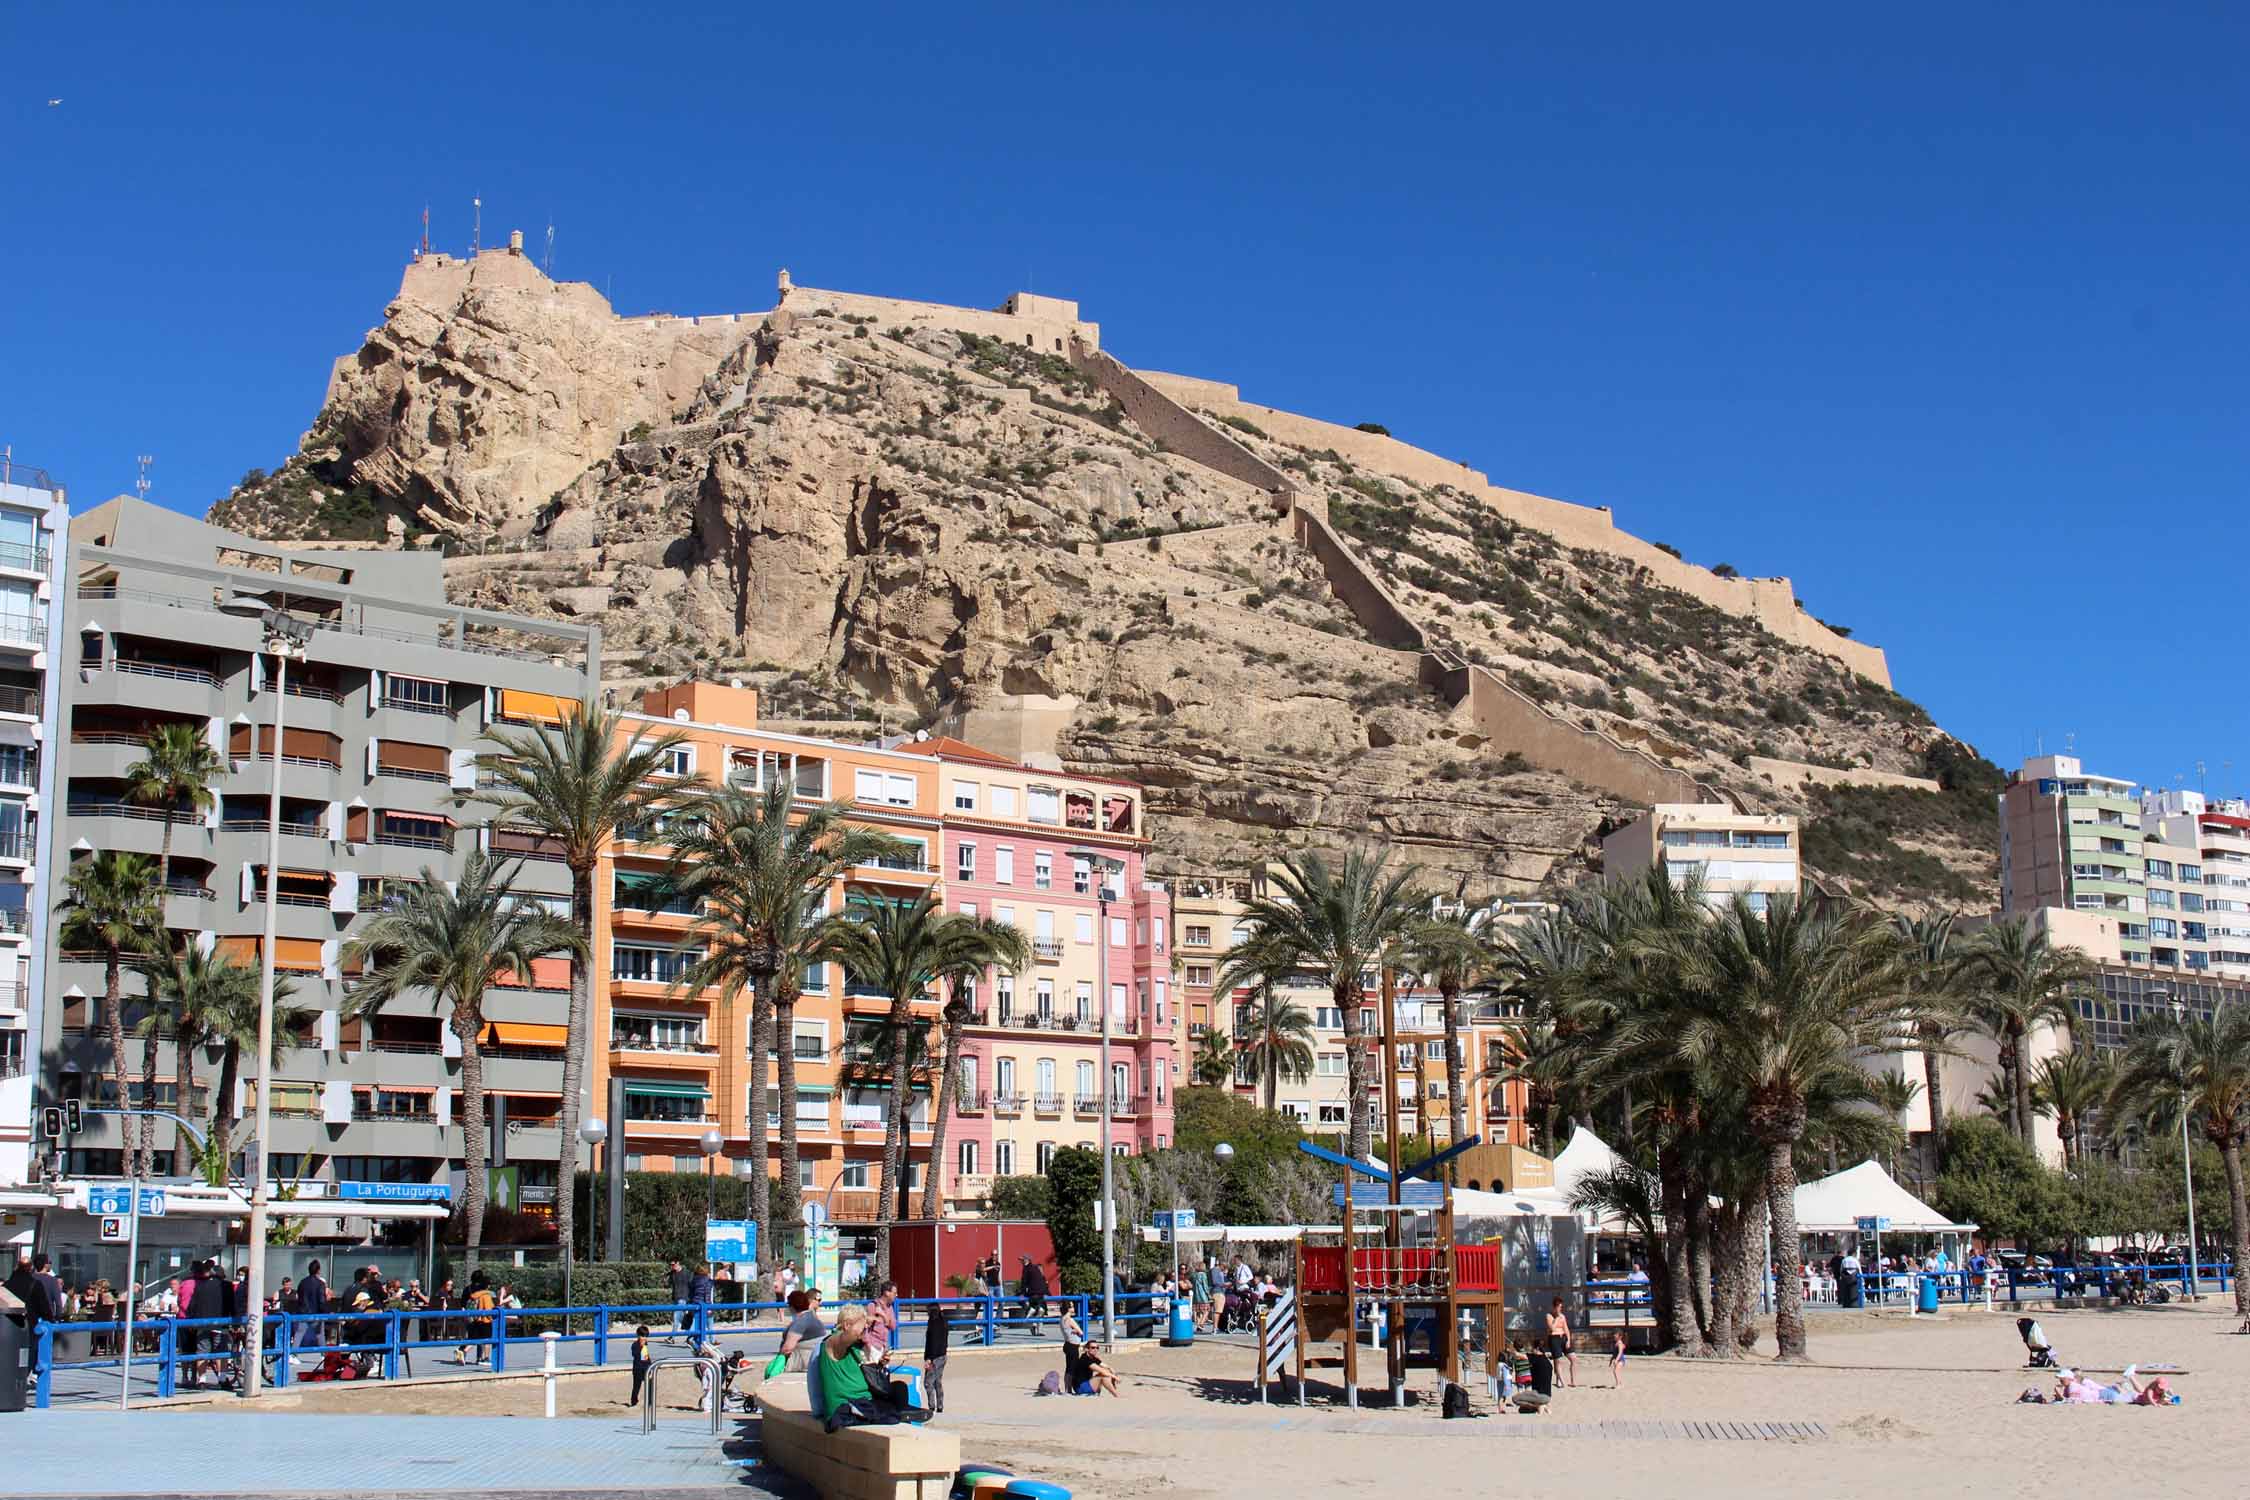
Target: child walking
<point>641,1362</point>
<point>1617,1359</point>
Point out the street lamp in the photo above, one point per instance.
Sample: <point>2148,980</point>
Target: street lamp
<point>285,639</point>
<point>1098,866</point>
<point>711,1143</point>
<point>2187,1165</point>
<point>593,1132</point>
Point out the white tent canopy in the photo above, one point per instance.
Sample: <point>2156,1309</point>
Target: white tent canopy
<point>1582,1157</point>
<point>1540,1203</point>
<point>1835,1205</point>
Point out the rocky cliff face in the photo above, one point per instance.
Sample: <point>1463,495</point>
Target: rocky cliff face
<point>889,524</point>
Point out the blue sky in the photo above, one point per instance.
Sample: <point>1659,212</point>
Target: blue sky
<point>1939,310</point>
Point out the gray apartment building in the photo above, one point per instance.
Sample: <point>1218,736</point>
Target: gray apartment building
<point>33,514</point>
<point>384,720</point>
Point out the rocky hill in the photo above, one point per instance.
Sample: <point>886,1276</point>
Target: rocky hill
<point>892,516</point>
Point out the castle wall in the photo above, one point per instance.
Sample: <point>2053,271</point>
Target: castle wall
<point>1356,585</point>
<point>1047,324</point>
<point>1511,721</point>
<point>1769,601</point>
<point>1162,418</point>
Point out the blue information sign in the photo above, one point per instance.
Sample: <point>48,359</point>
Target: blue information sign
<point>396,1192</point>
<point>730,1241</point>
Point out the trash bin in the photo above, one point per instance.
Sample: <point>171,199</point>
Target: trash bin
<point>17,1347</point>
<point>1182,1332</point>
<point>1928,1300</point>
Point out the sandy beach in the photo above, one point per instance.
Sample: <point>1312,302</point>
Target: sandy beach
<point>1909,1406</point>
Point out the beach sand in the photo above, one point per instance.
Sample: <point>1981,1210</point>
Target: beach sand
<point>1910,1407</point>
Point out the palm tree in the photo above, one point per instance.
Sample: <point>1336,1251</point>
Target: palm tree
<point>1933,971</point>
<point>1453,955</point>
<point>455,942</point>
<point>1338,921</point>
<point>174,1006</point>
<point>2023,983</point>
<point>1896,1093</point>
<point>1774,1005</point>
<point>1011,951</point>
<point>900,947</point>
<point>575,784</point>
<point>2200,1064</point>
<point>113,909</point>
<point>1272,1033</point>
<point>759,866</point>
<point>175,773</point>
<point>224,994</point>
<point>2072,1087</point>
<point>1214,1059</point>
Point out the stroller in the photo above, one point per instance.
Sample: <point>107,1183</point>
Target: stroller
<point>336,1364</point>
<point>2041,1354</point>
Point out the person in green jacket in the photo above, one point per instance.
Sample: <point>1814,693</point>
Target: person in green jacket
<point>843,1377</point>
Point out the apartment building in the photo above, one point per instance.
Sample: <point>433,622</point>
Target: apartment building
<point>33,513</point>
<point>1752,855</point>
<point>1062,857</point>
<point>681,1058</point>
<point>2197,856</point>
<point>384,720</point>
<point>2071,839</point>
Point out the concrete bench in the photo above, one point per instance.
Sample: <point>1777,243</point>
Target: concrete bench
<point>854,1463</point>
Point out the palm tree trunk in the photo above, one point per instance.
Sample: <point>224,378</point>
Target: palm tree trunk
<point>2020,1086</point>
<point>1359,1135</point>
<point>1457,1104</point>
<point>785,1067</point>
<point>475,1142</point>
<point>1788,1288</point>
<point>1933,1090</point>
<point>1699,1255</point>
<point>183,1087</point>
<point>951,1064</point>
<point>1681,1329</point>
<point>1729,1229</point>
<point>754,1126</point>
<point>1272,1069</point>
<point>222,1111</point>
<point>576,1039</point>
<point>2230,1155</point>
<point>113,1017</point>
<point>148,1090</point>
<point>894,1136</point>
<point>1752,1252</point>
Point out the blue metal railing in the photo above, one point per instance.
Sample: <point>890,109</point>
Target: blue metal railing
<point>389,1338</point>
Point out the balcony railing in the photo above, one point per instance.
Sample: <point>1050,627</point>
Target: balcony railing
<point>416,706</point>
<point>23,630</point>
<point>20,700</point>
<point>308,762</point>
<point>969,1102</point>
<point>1007,1104</point>
<point>1047,950</point>
<point>1124,1105</point>
<point>645,1044</point>
<point>1086,1104</point>
<point>313,830</point>
<point>1046,1104</point>
<point>104,807</point>
<point>414,840</point>
<point>281,898</point>
<point>407,773</point>
<point>14,920</point>
<point>196,675</point>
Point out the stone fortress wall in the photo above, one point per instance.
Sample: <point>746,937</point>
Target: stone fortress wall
<point>1769,601</point>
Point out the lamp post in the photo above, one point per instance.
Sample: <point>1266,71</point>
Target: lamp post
<point>711,1143</point>
<point>1098,866</point>
<point>285,639</point>
<point>2187,1164</point>
<point>593,1132</point>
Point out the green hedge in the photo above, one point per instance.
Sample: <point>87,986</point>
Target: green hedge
<point>664,1212</point>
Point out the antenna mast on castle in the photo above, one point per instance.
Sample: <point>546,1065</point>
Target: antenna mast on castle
<point>476,229</point>
<point>547,266</point>
<point>425,229</point>
<point>141,484</point>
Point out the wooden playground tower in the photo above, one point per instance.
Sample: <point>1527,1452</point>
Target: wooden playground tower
<point>1366,1261</point>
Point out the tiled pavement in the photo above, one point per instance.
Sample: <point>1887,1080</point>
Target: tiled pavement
<point>274,1453</point>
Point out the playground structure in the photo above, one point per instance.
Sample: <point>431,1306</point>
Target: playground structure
<point>1395,1256</point>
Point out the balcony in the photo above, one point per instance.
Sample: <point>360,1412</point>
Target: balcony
<point>21,701</point>
<point>1087,1106</point>
<point>397,840</point>
<point>164,670</point>
<point>23,630</point>
<point>1046,1104</point>
<point>863,1117</point>
<point>1047,950</point>
<point>1007,1104</point>
<point>1124,1106</point>
<point>969,1102</point>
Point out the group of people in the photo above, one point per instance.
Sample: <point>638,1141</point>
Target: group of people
<point>1226,1294</point>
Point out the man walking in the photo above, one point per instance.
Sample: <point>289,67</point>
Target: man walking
<point>312,1301</point>
<point>702,1291</point>
<point>678,1283</point>
<point>1034,1289</point>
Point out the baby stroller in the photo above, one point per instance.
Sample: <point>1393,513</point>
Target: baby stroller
<point>336,1364</point>
<point>2041,1353</point>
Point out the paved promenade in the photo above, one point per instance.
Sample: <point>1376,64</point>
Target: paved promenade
<point>157,1454</point>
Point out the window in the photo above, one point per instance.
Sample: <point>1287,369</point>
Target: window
<point>2191,874</point>
<point>804,1174</point>
<point>415,694</point>
<point>1117,932</point>
<point>1042,871</point>
<point>664,1101</point>
<point>1199,974</point>
<point>1160,1087</point>
<point>966,1078</point>
<point>964,861</point>
<point>964,796</point>
<point>1043,926</point>
<point>1160,1002</point>
<point>1004,1158</point>
<point>1329,1064</point>
<point>968,1159</point>
<point>810,1044</point>
<point>19,765</point>
<point>649,965</point>
<point>656,1033</point>
<point>2160,899</point>
<point>1332,1114</point>
<point>1117,1011</point>
<point>1081,876</point>
<point>1043,804</point>
<point>1086,1002</point>
<point>1301,1113</point>
<point>1085,1080</point>
<point>1004,997</point>
<point>1044,1154</point>
<point>2160,868</point>
<point>1004,1080</point>
<point>1046,1076</point>
<point>2163,927</point>
<point>969,910</point>
<point>1434,1051</point>
<point>853,1174</point>
<point>884,788</point>
<point>2189,900</point>
<point>1328,1018</point>
<point>1083,926</point>
<point>1043,999</point>
<point>1003,802</point>
<point>1197,936</point>
<point>679,760</point>
<point>1003,866</point>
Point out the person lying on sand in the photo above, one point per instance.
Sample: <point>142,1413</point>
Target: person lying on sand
<point>2073,1389</point>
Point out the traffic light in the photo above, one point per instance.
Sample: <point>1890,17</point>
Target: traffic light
<point>51,1123</point>
<point>74,1115</point>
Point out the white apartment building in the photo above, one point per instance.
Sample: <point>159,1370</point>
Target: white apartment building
<point>1752,855</point>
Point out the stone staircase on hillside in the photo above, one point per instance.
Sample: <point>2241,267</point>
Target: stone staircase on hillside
<point>1506,718</point>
